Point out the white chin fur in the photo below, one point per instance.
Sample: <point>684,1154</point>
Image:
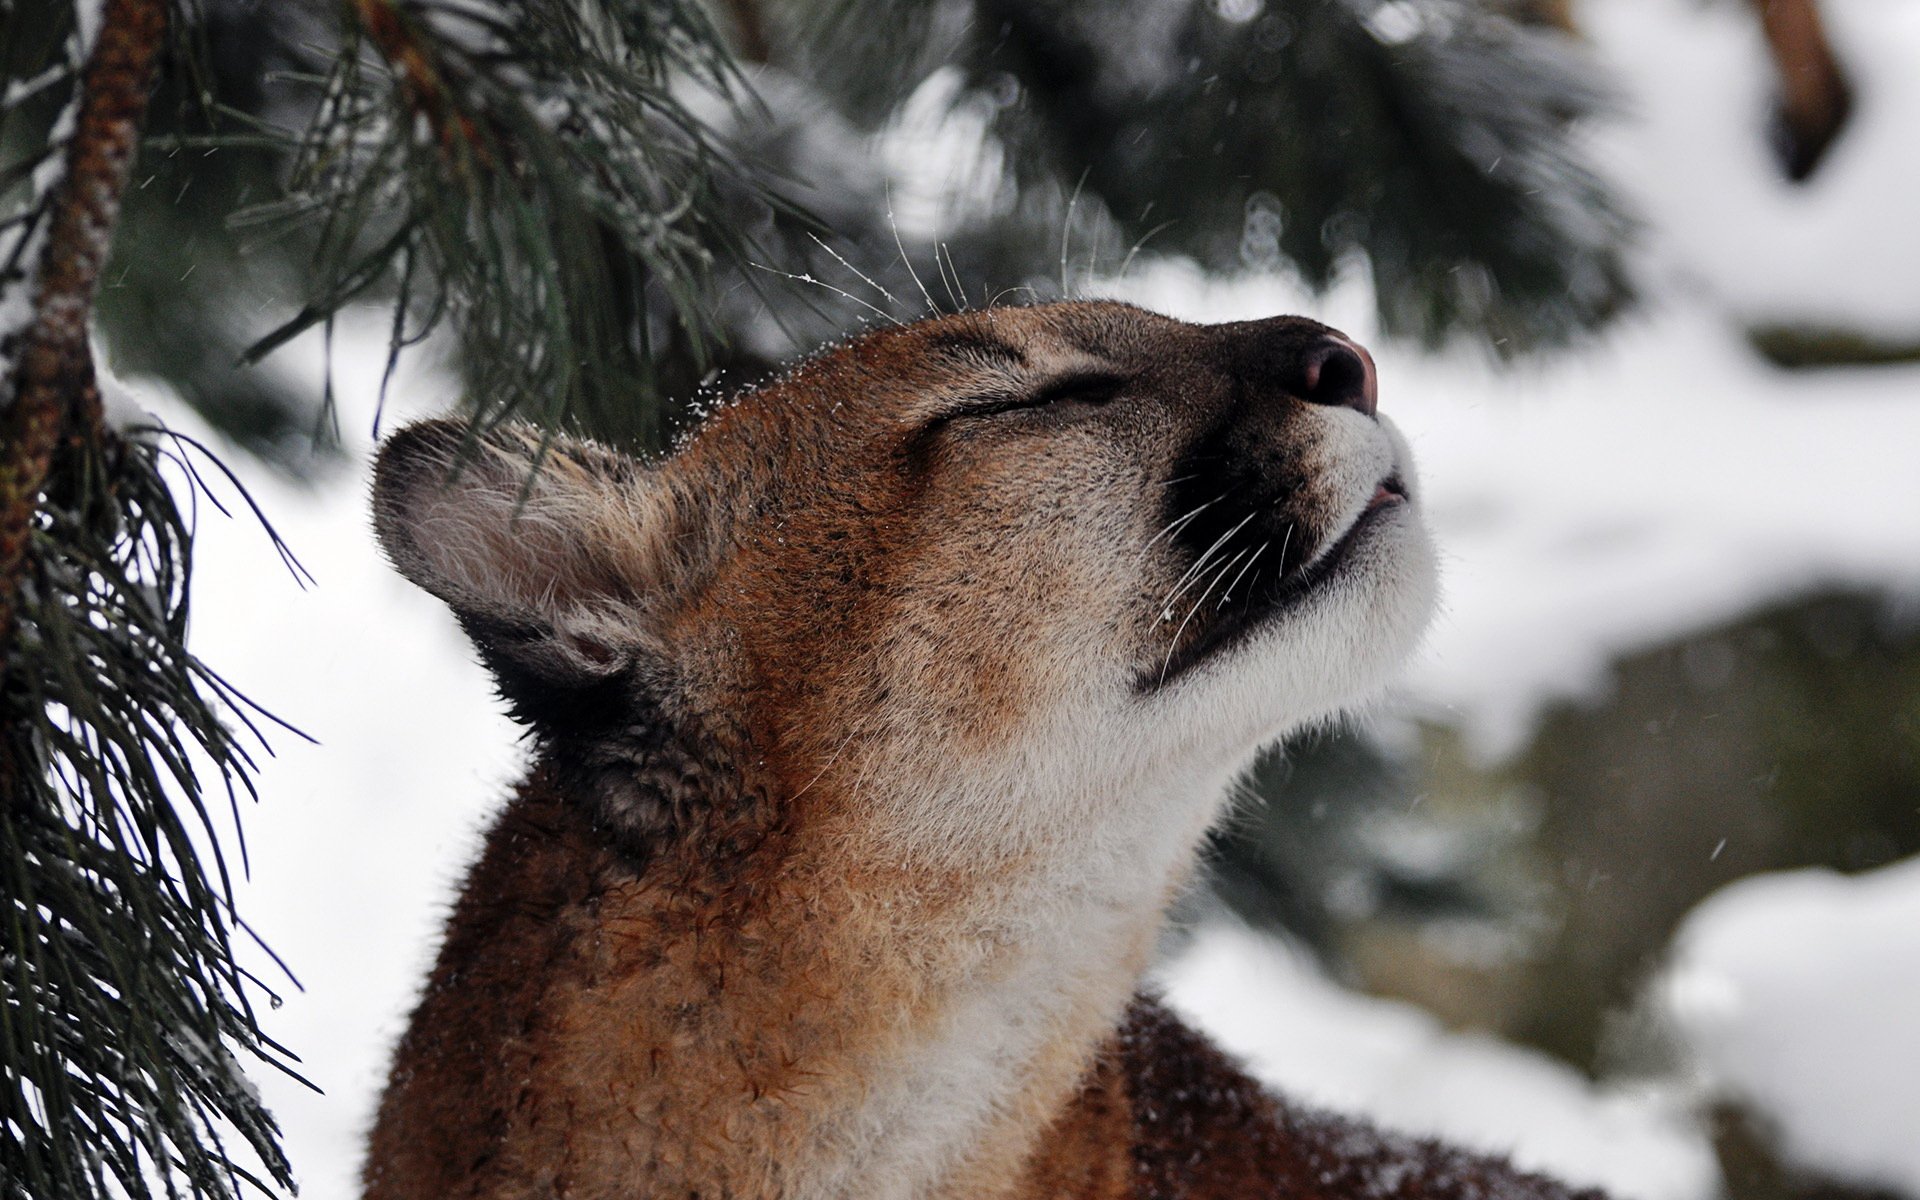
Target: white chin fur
<point>1098,813</point>
<point>1337,646</point>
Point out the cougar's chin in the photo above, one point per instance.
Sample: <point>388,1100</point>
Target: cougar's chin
<point>1364,597</point>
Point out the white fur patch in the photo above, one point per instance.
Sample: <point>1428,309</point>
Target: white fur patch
<point>1105,806</point>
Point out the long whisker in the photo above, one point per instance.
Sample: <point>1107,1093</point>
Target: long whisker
<point>1128,261</point>
<point>954,270</point>
<point>1200,565</point>
<point>902,247</point>
<point>1180,523</point>
<point>1093,259</point>
<point>842,292</point>
<point>1174,645</point>
<point>1228,594</point>
<point>870,282</point>
<point>826,766</point>
<point>946,282</point>
<point>1066,230</point>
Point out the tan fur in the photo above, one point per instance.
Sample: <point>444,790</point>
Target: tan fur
<point>868,759</point>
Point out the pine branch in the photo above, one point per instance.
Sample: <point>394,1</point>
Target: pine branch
<point>123,1005</point>
<point>1815,98</point>
<point>1430,143</point>
<point>184,293</point>
<point>54,386</point>
<point>543,177</point>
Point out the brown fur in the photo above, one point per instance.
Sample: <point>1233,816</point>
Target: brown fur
<point>553,939</point>
<point>765,873</point>
<point>1201,1128</point>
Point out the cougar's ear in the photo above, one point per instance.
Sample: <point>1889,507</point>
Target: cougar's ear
<point>556,555</point>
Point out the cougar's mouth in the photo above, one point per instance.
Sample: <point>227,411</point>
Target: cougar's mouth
<point>1200,627</point>
<point>1388,491</point>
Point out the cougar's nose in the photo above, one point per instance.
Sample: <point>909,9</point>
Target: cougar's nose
<point>1340,372</point>
<point>1305,359</point>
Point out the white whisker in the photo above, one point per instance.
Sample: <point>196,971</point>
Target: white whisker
<point>1179,523</point>
<point>1228,594</point>
<point>1066,231</point>
<point>946,284</point>
<point>842,292</point>
<point>1186,581</point>
<point>902,247</point>
<point>1174,645</point>
<point>870,282</point>
<point>1128,260</point>
<point>954,270</point>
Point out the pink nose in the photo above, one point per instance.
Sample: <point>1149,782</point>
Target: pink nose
<point>1340,372</point>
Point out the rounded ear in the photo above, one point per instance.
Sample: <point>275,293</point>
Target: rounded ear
<point>552,552</point>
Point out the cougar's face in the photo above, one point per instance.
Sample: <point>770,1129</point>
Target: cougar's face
<point>977,566</point>
<point>1072,520</point>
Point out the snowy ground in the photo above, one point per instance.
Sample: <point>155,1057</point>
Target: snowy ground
<point>1327,1046</point>
<point>1657,483</point>
<point>1797,993</point>
<point>1662,480</point>
<point>1668,478</point>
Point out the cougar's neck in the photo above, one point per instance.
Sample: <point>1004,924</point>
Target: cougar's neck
<point>758,999</point>
<point>982,986</point>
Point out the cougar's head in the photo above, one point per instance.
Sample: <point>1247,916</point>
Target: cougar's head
<point>1066,549</point>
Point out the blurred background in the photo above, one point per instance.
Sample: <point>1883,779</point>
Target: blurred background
<point>1623,879</point>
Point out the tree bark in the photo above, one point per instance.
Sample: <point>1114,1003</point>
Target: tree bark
<point>749,32</point>
<point>53,390</point>
<point>1814,95</point>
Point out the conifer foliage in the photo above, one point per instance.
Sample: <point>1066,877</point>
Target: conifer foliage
<point>531,175</point>
<point>1430,144</point>
<point>595,206</point>
<point>123,1006</point>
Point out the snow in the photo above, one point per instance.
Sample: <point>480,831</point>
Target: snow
<point>1669,485</point>
<point>87,16</point>
<point>21,90</point>
<point>1797,993</point>
<point>1842,249</point>
<point>1325,1045</point>
<point>1665,478</point>
<point>940,163</point>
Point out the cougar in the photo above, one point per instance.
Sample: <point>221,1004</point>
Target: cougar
<point>874,729</point>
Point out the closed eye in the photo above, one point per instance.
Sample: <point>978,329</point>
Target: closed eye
<point>1090,388</point>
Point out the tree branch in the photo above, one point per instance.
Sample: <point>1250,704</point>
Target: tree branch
<point>1815,99</point>
<point>54,383</point>
<point>751,44</point>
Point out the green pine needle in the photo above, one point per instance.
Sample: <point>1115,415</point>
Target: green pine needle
<point>125,1016</point>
